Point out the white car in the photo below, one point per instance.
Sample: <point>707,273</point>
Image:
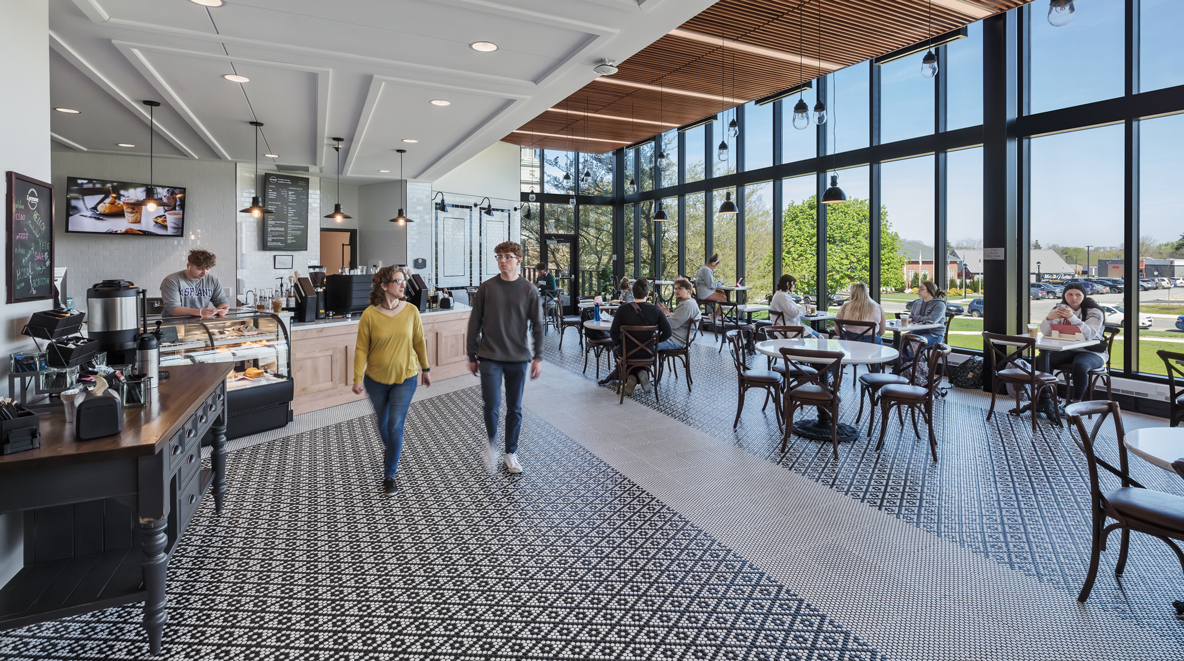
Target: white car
<point>1116,314</point>
<point>1178,282</point>
<point>1163,283</point>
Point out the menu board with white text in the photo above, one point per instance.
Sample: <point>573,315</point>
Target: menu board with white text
<point>287,228</point>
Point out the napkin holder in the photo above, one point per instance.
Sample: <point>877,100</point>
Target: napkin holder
<point>97,416</point>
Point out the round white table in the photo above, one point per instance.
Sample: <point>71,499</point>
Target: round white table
<point>603,306</point>
<point>1156,445</point>
<point>602,325</point>
<point>854,353</point>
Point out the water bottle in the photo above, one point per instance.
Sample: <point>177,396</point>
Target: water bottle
<point>597,313</point>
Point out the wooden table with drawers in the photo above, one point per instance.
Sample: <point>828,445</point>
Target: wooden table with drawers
<point>100,519</point>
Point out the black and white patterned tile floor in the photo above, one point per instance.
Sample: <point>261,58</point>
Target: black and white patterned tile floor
<point>1019,501</point>
<point>568,560</point>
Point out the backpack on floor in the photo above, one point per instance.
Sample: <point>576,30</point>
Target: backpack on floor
<point>969,374</point>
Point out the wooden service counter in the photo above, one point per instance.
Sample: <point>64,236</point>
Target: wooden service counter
<point>323,356</point>
<point>99,519</point>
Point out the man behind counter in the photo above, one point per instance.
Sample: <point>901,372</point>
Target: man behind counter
<point>194,292</point>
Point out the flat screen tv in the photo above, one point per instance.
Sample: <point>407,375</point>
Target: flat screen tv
<point>105,206</point>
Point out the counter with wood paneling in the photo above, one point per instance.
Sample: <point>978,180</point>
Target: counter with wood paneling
<point>323,356</point>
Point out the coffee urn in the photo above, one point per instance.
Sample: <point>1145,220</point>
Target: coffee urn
<point>148,358</point>
<point>112,317</point>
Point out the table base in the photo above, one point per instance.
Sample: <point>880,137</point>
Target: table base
<point>820,431</point>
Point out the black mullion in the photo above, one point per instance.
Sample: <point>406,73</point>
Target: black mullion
<point>875,196</point>
<point>708,196</point>
<point>1131,192</point>
<point>618,214</point>
<point>682,203</point>
<point>778,195</point>
<point>739,194</point>
<point>1000,177</point>
<point>821,295</point>
<point>940,172</point>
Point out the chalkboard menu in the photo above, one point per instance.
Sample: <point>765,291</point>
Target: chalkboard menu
<point>287,228</point>
<point>30,239</point>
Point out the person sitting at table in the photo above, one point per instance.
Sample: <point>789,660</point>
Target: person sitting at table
<point>784,311</point>
<point>1077,309</point>
<point>545,279</point>
<point>861,307</point>
<point>929,309</point>
<point>624,291</point>
<point>638,313</point>
<point>686,310</point>
<point>706,284</point>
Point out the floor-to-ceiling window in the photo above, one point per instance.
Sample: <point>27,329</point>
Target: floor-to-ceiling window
<point>628,268</point>
<point>1081,62</point>
<point>758,136</point>
<point>596,249</point>
<point>669,161</point>
<point>847,107</point>
<point>799,232</point>
<point>964,80</point>
<point>669,239</point>
<point>1160,49</point>
<point>907,255</point>
<point>906,100</point>
<point>696,233</point>
<point>758,241</point>
<point>557,164</point>
<point>964,211</point>
<point>645,226</point>
<point>645,168</point>
<point>696,168</point>
<point>723,236</point>
<point>847,233</point>
<point>1161,244</point>
<point>599,167</point>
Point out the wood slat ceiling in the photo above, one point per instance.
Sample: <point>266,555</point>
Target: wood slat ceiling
<point>851,31</point>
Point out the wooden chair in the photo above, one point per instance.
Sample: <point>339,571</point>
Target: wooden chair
<point>746,378</point>
<point>1133,507</point>
<point>551,311</point>
<point>1002,353</point>
<point>726,317</point>
<point>781,333</point>
<point>571,321</point>
<point>639,351</point>
<point>1095,375</point>
<point>856,331</point>
<point>820,389</point>
<point>595,342</point>
<point>1175,378</point>
<point>871,382</point>
<point>683,353</point>
<point>917,397</point>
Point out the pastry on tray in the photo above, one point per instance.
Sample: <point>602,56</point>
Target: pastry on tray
<point>110,205</point>
<point>161,220</point>
<point>253,373</point>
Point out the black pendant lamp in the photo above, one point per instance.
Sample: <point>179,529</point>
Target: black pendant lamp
<point>256,209</point>
<point>151,201</point>
<point>525,216</point>
<point>819,106</point>
<point>834,193</point>
<point>929,62</point>
<point>338,214</point>
<point>401,219</point>
<point>660,216</point>
<point>728,208</point>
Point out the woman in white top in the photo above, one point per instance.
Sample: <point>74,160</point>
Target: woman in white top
<point>783,311</point>
<point>1077,309</point>
<point>861,307</point>
<point>706,284</point>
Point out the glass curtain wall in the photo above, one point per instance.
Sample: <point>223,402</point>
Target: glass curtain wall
<point>758,136</point>
<point>964,210</point>
<point>799,232</point>
<point>695,166</point>
<point>596,250</point>
<point>669,239</point>
<point>758,241</point>
<point>669,164</point>
<point>848,241</point>
<point>556,165</point>
<point>696,232</point>
<point>723,238</point>
<point>907,255</point>
<point>1161,245</point>
<point>645,226</point>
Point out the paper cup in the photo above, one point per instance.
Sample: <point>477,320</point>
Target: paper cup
<point>174,220</point>
<point>132,210</point>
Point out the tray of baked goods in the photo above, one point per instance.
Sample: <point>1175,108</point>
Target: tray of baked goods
<point>250,377</point>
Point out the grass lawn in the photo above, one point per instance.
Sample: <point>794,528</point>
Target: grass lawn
<point>1162,308</point>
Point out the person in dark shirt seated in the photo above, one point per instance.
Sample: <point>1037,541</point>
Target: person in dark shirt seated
<point>545,279</point>
<point>638,313</point>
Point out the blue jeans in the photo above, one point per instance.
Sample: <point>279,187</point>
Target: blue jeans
<point>492,374</point>
<point>390,405</point>
<point>666,345</point>
<point>1079,363</point>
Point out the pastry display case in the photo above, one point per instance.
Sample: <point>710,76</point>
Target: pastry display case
<point>259,387</point>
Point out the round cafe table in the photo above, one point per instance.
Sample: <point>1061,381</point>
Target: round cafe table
<point>854,353</point>
<point>1156,445</point>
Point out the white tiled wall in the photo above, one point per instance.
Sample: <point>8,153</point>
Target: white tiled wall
<point>209,223</point>
<point>479,268</point>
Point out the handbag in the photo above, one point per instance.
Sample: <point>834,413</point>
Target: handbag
<point>969,374</point>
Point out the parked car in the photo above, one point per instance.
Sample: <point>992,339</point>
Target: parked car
<point>976,308</point>
<point>1116,315</point>
<point>1178,282</point>
<point>956,308</point>
<point>1146,284</point>
<point>1164,283</point>
<point>1036,291</point>
<point>1180,322</point>
<point>1090,287</point>
<point>1114,284</point>
<point>1050,291</point>
<point>835,299</point>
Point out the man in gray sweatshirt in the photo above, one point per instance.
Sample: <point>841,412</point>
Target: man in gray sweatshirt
<point>503,309</point>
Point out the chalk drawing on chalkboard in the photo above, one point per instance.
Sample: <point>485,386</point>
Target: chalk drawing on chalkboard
<point>29,207</point>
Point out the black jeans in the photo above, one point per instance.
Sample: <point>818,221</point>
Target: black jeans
<point>1081,363</point>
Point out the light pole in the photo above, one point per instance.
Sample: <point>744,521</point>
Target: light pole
<point>1087,260</point>
<point>1039,278</point>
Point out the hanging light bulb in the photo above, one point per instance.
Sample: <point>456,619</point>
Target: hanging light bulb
<point>819,106</point>
<point>733,128</point>
<point>338,214</point>
<point>929,65</point>
<point>256,209</point>
<point>1060,12</point>
<point>151,202</point>
<point>572,200</point>
<point>723,150</point>
<point>728,208</point>
<point>801,115</point>
<point>531,197</point>
<point>834,193</point>
<point>820,113</point>
<point>567,177</point>
<point>632,183</point>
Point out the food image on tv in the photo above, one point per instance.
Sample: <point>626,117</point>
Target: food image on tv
<point>106,206</point>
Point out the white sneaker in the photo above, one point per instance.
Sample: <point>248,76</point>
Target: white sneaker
<point>512,465</point>
<point>489,457</point>
<point>644,378</point>
<point>630,384</point>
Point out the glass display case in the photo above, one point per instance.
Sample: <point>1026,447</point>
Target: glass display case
<point>256,342</point>
<point>259,389</point>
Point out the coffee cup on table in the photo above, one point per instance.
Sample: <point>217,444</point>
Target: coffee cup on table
<point>174,221</point>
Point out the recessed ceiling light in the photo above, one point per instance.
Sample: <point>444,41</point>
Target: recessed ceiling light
<point>441,102</point>
<point>207,3</point>
<point>125,144</point>
<point>69,111</point>
<point>483,46</point>
<point>410,141</point>
<point>271,156</point>
<point>384,171</point>
<point>235,78</point>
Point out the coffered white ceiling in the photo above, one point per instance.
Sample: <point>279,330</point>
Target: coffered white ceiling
<point>364,70</point>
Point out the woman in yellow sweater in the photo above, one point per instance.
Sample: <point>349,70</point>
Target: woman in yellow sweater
<point>389,353</point>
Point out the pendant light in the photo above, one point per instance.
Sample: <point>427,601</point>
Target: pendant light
<point>801,111</point>
<point>722,150</point>
<point>256,209</point>
<point>1060,12</point>
<point>338,214</point>
<point>586,178</point>
<point>819,106</point>
<point>728,208</point>
<point>661,118</point>
<point>151,201</point>
<point>834,193</point>
<point>929,62</point>
<point>660,216</point>
<point>401,219</point>
<point>734,126</point>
